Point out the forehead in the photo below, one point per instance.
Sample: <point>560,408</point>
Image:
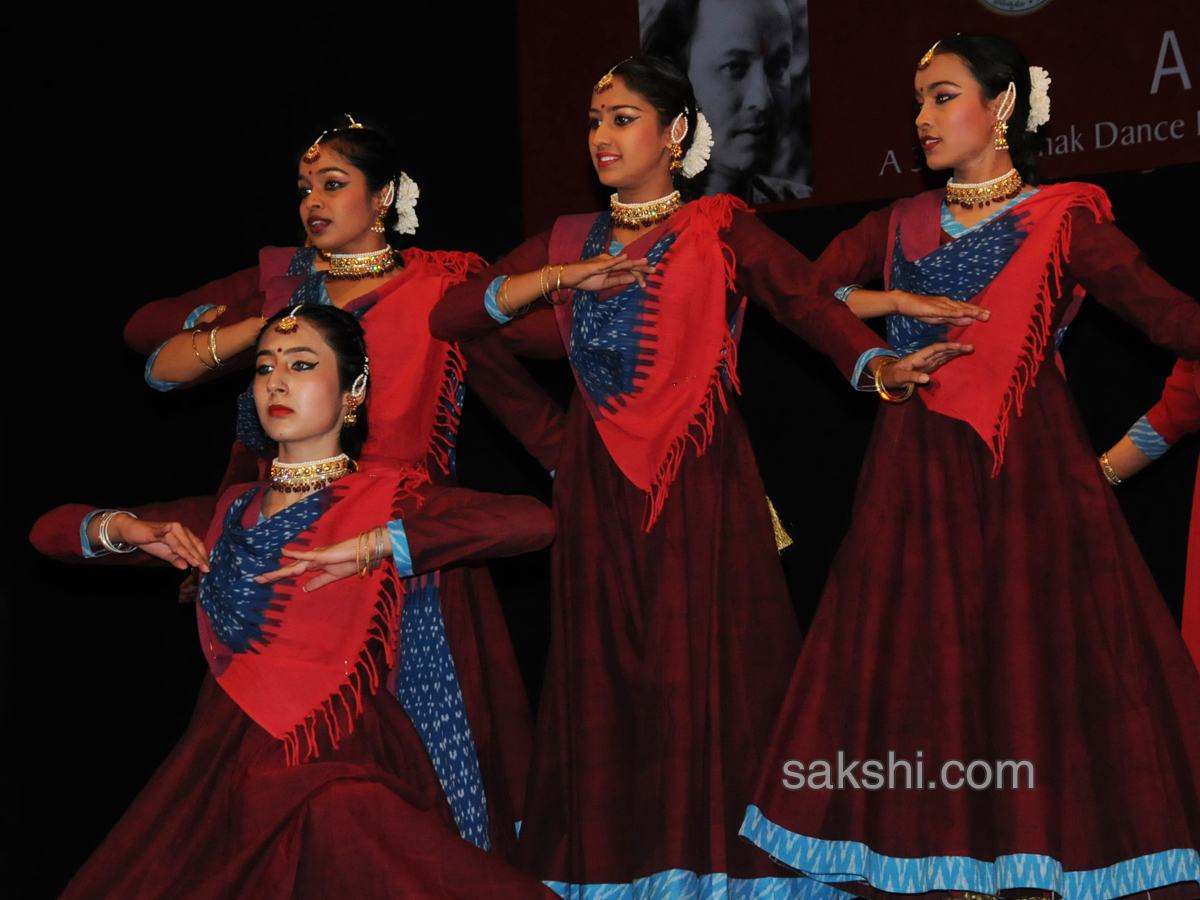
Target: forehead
<point>329,158</point>
<point>620,95</point>
<point>945,67</point>
<point>749,25</point>
<point>304,335</point>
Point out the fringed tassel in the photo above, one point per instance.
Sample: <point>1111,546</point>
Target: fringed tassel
<point>699,431</point>
<point>1039,326</point>
<point>457,264</point>
<point>447,416</point>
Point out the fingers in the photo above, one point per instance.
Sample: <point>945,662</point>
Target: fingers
<point>297,568</point>
<point>319,581</point>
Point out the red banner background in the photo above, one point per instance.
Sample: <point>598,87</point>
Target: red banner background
<point>1102,56</point>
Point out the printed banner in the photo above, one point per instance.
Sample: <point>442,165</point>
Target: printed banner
<point>812,104</point>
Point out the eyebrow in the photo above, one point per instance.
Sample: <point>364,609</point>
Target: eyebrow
<point>287,351</point>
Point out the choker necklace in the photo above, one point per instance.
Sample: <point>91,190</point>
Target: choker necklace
<point>640,215</point>
<point>354,266</point>
<point>985,193</point>
<point>300,478</point>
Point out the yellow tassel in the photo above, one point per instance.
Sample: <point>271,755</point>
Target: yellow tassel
<point>783,540</point>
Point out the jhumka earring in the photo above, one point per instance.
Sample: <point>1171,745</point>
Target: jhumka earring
<point>1007,104</point>
<point>1001,129</point>
<point>351,416</point>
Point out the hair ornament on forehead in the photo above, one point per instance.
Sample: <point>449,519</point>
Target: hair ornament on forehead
<point>407,193</point>
<point>288,323</point>
<point>1039,98</point>
<point>928,57</point>
<point>353,124</point>
<point>606,79</point>
<point>313,153</point>
<point>697,156</point>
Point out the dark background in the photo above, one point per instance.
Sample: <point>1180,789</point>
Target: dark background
<point>149,165</point>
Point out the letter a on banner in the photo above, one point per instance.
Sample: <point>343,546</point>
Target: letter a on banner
<point>1179,68</point>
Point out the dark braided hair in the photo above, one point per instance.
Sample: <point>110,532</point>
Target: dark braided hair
<point>344,335</point>
<point>994,62</point>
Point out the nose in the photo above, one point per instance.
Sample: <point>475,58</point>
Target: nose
<point>277,380</point>
<point>923,120</point>
<point>758,87</point>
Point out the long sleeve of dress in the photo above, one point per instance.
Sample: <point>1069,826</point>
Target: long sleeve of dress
<point>776,275</point>
<point>460,315</point>
<point>857,255</point>
<point>456,525</point>
<point>160,320</point>
<point>1114,271</point>
<point>56,533</point>
<point>1177,413</point>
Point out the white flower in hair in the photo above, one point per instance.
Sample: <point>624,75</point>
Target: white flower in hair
<point>407,193</point>
<point>696,158</point>
<point>1039,98</point>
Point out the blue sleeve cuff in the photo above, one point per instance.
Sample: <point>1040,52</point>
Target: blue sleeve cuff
<point>843,292</point>
<point>188,323</point>
<point>88,552</point>
<point>401,555</point>
<point>489,301</point>
<point>1146,439</point>
<point>860,367</point>
<point>163,386</point>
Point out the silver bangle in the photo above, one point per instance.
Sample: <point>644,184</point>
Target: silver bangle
<point>105,541</point>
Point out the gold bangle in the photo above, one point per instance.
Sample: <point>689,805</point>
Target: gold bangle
<point>883,392</point>
<point>358,556</point>
<point>542,282</point>
<point>1107,469</point>
<point>196,350</point>
<point>212,347</point>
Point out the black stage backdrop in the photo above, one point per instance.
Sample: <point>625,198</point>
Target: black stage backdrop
<point>150,165</point>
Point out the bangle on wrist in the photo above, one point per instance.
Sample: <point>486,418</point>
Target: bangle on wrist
<point>883,392</point>
<point>105,541</point>
<point>557,298</point>
<point>196,350</point>
<point>1107,469</point>
<point>212,347</point>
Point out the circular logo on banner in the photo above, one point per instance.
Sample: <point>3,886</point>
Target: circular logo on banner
<point>1014,7</point>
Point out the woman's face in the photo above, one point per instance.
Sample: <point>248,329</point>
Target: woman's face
<point>296,392</point>
<point>954,121</point>
<point>336,206</point>
<point>740,55</point>
<point>628,147</point>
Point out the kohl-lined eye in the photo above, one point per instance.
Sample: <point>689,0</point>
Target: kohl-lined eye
<point>264,369</point>
<point>622,121</point>
<point>593,124</point>
<point>303,191</point>
<point>943,98</point>
<point>335,185</point>
<point>303,365</point>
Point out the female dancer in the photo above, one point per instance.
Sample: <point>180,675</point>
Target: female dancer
<point>351,190</point>
<point>672,624</point>
<point>295,777</point>
<point>993,697</point>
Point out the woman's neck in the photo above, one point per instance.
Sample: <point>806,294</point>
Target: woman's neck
<point>648,192</point>
<point>984,168</point>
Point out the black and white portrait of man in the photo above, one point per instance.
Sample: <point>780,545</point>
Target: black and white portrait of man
<point>748,63</point>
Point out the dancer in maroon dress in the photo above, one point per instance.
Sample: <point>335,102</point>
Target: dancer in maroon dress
<point>352,194</point>
<point>295,777</point>
<point>672,628</point>
<point>993,697</point>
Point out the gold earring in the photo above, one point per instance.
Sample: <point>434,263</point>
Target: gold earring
<point>380,224</point>
<point>676,152</point>
<point>1001,129</point>
<point>351,417</point>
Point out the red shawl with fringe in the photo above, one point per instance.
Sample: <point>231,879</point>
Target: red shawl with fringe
<point>666,348</point>
<point>982,389</point>
<point>296,662</point>
<point>414,377</point>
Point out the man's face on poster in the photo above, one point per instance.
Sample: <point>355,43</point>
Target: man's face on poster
<point>740,53</point>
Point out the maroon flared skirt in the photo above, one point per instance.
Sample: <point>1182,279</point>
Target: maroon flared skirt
<point>225,817</point>
<point>972,623</point>
<point>670,654</point>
